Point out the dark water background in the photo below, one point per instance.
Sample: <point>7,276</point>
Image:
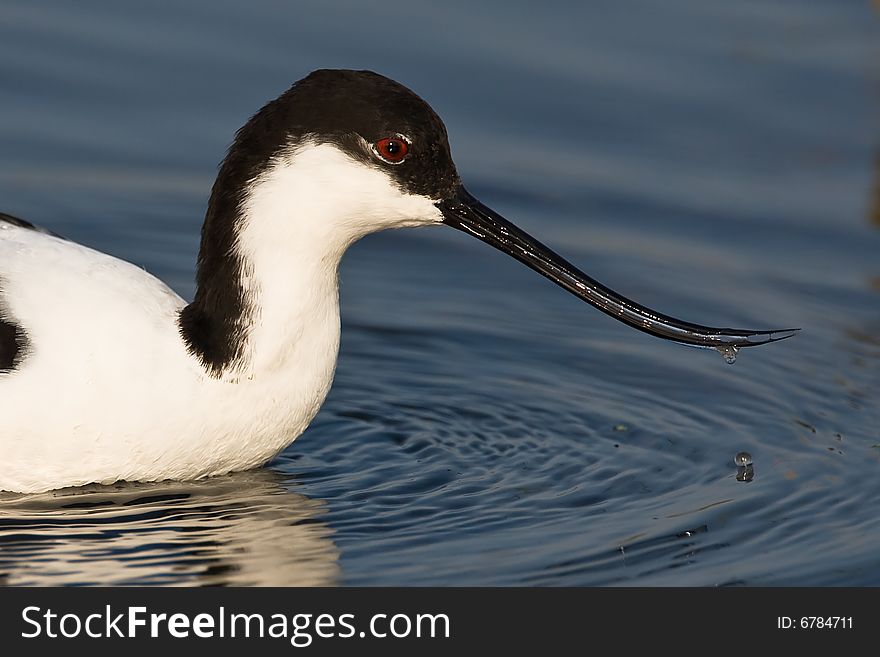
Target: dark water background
<point>717,161</point>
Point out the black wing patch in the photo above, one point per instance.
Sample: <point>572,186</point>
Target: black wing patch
<point>13,343</point>
<point>21,223</point>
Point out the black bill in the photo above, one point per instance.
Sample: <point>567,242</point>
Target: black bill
<point>464,212</point>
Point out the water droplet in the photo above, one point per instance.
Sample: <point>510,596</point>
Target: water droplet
<point>746,473</point>
<point>728,353</point>
<point>743,459</point>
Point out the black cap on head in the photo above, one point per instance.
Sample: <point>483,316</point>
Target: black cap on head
<point>347,108</point>
<point>352,110</point>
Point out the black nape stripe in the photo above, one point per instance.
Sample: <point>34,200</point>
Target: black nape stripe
<point>21,223</point>
<point>213,326</point>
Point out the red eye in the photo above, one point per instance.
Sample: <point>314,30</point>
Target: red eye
<point>392,149</point>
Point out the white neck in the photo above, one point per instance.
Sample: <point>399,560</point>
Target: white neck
<point>298,219</point>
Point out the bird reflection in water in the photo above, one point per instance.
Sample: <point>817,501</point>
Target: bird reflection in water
<point>243,529</point>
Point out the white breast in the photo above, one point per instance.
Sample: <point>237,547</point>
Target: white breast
<point>107,389</point>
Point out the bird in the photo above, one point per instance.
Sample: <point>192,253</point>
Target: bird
<point>107,374</point>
